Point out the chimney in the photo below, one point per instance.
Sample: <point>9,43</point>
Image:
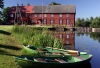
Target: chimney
<point>28,4</point>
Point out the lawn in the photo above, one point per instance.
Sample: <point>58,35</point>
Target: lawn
<point>9,46</point>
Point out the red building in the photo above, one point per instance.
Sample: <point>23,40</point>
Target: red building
<point>43,15</point>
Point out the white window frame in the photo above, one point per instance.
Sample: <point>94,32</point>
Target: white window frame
<point>52,15</point>
<point>11,15</point>
<point>60,15</point>
<point>35,15</point>
<point>45,15</point>
<point>67,36</point>
<point>67,21</point>
<point>60,36</point>
<point>67,15</point>
<point>60,21</point>
<point>44,21</point>
<point>51,21</point>
<point>40,15</point>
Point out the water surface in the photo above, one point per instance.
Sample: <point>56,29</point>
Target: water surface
<point>89,42</point>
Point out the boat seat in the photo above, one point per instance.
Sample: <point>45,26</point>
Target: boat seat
<point>79,57</point>
<point>60,60</point>
<point>39,60</point>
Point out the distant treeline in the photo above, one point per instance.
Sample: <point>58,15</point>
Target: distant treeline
<point>88,22</point>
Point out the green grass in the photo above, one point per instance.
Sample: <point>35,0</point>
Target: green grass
<point>10,43</point>
<point>9,46</point>
<point>5,27</point>
<point>36,36</point>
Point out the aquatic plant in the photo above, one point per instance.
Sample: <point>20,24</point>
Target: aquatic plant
<point>36,36</point>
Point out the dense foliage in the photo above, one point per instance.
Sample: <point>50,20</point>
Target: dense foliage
<point>1,4</point>
<point>92,22</point>
<point>54,3</point>
<point>36,36</point>
<point>5,12</point>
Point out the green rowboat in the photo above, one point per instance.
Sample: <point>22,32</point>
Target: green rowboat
<point>52,57</point>
<point>31,62</point>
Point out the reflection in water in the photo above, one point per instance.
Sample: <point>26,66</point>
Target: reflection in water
<point>94,36</point>
<point>82,34</point>
<point>68,38</point>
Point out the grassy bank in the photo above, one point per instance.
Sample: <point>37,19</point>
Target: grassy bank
<point>11,39</point>
<point>9,46</point>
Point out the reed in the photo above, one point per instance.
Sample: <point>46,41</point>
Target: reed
<point>36,36</point>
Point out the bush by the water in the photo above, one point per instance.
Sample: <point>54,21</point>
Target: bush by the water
<point>36,36</point>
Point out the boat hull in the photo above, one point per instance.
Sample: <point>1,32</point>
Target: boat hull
<point>30,64</point>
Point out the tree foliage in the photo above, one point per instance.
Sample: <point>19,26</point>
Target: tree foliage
<point>5,12</point>
<point>1,4</point>
<point>54,3</point>
<point>88,22</point>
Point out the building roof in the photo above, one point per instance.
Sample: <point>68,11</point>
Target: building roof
<point>55,9</point>
<point>23,9</point>
<point>46,9</point>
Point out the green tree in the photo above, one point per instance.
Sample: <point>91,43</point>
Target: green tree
<point>83,22</point>
<point>78,22</point>
<point>5,12</point>
<point>54,3</point>
<point>91,19</point>
<point>87,22</point>
<point>96,23</point>
<point>1,4</point>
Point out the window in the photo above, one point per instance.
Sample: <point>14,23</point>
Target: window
<point>60,21</point>
<point>26,15</point>
<point>67,42</point>
<point>60,15</point>
<point>67,22</point>
<point>52,15</point>
<point>67,15</point>
<point>11,15</point>
<point>67,36</point>
<point>18,15</point>
<point>44,21</point>
<point>32,21</point>
<point>35,15</point>
<point>45,15</point>
<point>60,35</point>
<point>51,21</point>
<point>40,15</point>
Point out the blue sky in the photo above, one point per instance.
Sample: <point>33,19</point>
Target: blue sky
<point>84,8</point>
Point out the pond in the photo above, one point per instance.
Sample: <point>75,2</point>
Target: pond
<point>89,42</point>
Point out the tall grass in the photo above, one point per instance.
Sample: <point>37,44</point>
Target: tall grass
<point>36,36</point>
